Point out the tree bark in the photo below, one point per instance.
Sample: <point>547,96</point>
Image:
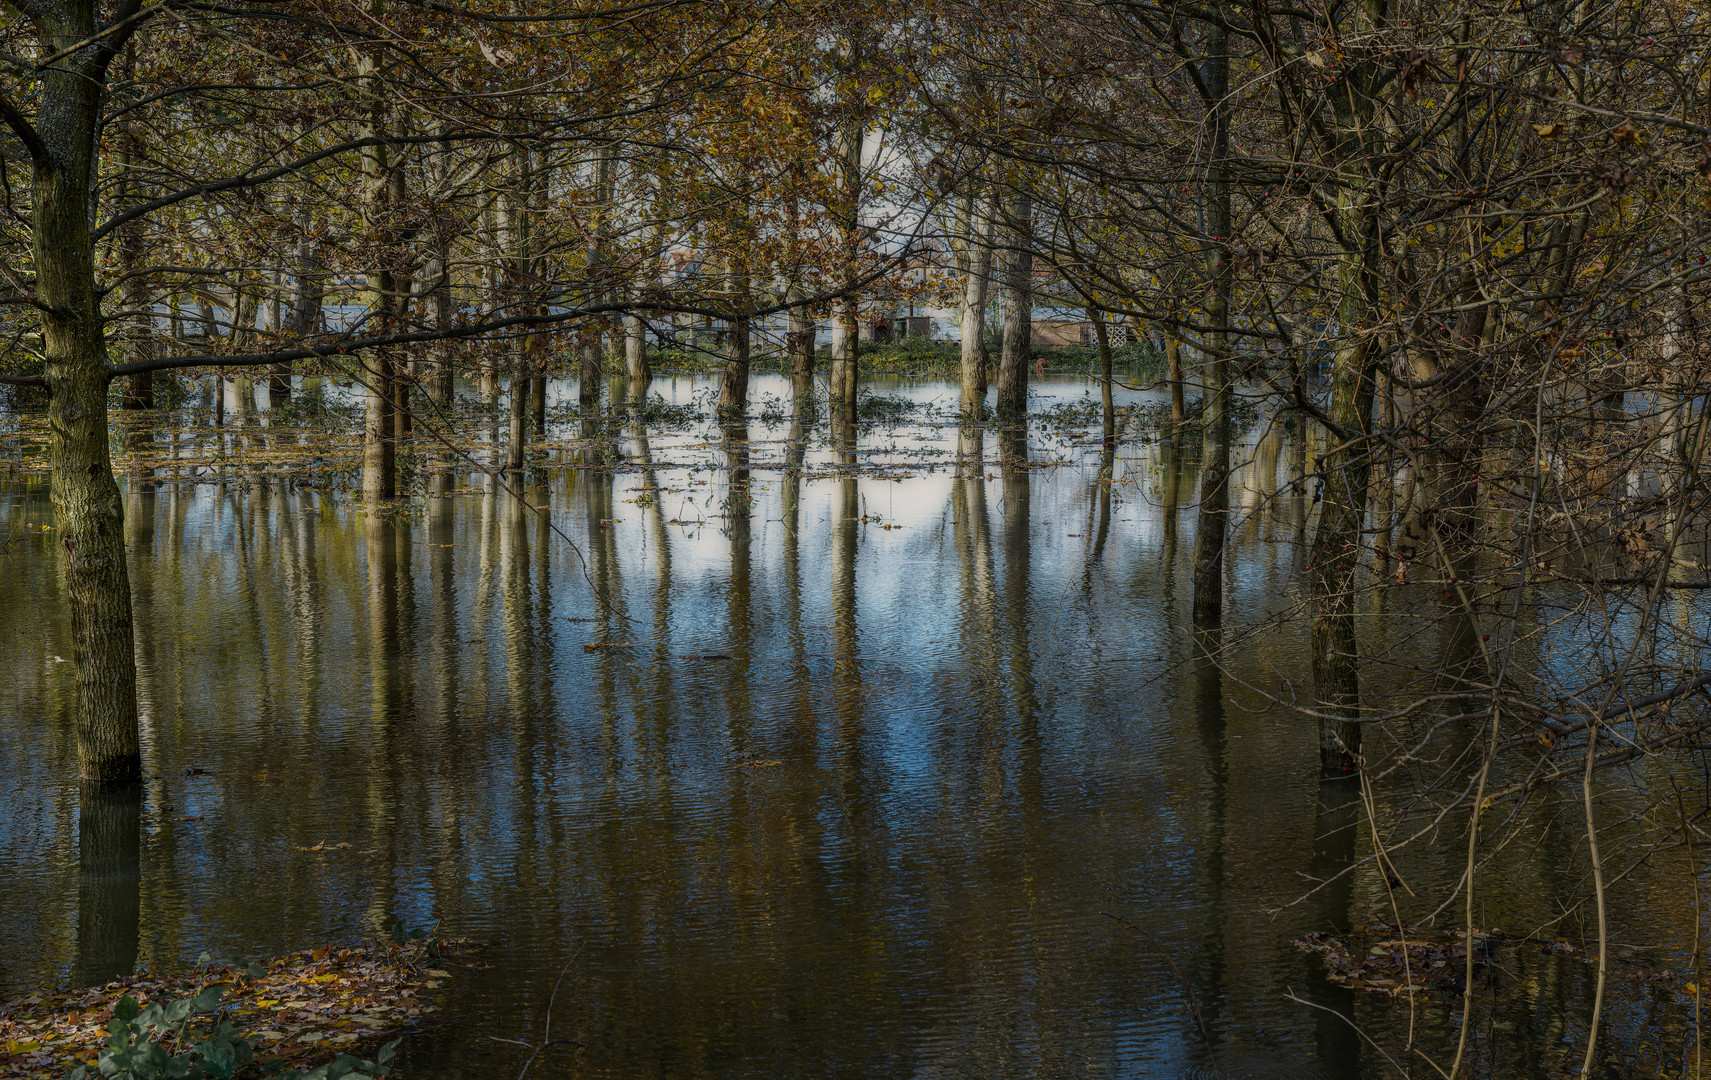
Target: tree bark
<point>520,383</point>
<point>1018,303</point>
<point>1212,526</point>
<point>88,512</point>
<point>379,474</point>
<point>846,361</point>
<point>1347,468</point>
<point>636,352</point>
<point>734,381</point>
<point>977,271</point>
<point>379,447</point>
<point>1173,369</point>
<point>1107,408</point>
<point>799,347</point>
<point>851,135</point>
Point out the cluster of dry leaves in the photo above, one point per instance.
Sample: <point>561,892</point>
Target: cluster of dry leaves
<point>1385,961</point>
<point>303,1009</point>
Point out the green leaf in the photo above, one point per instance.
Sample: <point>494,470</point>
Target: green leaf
<point>126,1009</point>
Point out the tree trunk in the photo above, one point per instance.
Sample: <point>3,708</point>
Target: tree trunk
<point>1018,302</point>
<point>846,361</point>
<point>799,347</point>
<point>977,271</point>
<point>734,382</point>
<point>88,513</point>
<point>1107,409</point>
<point>379,447</point>
<point>1212,525</point>
<point>1173,366</point>
<point>1334,561</point>
<point>636,352</point>
<point>138,334</point>
<point>588,388</point>
<point>519,418</point>
<point>379,476</point>
<point>588,380</point>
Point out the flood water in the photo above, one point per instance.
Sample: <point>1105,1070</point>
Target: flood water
<point>793,770</point>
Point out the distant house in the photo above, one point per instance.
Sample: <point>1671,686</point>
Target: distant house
<point>1060,326</point>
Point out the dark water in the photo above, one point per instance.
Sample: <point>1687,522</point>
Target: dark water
<point>865,781</point>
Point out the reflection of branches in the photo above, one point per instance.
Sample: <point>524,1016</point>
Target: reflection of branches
<point>547,1032</point>
<point>1189,997</point>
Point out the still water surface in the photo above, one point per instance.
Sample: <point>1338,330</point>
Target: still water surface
<point>804,771</point>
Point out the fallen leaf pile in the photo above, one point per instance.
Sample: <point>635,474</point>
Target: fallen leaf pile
<point>304,1009</point>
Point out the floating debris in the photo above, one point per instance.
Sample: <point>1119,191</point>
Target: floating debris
<point>1386,960</point>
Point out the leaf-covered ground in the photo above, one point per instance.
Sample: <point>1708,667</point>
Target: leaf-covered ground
<point>303,1009</point>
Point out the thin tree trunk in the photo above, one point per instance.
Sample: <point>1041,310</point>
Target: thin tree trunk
<point>846,361</point>
<point>977,272</point>
<point>588,386</point>
<point>138,334</point>
<point>379,475</point>
<point>1334,561</point>
<point>1212,526</point>
<point>1018,302</point>
<point>1107,408</point>
<point>1173,366</point>
<point>520,383</point>
<point>851,135</point>
<point>588,379</point>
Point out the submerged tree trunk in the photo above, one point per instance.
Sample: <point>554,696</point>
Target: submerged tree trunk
<point>589,375</point>
<point>799,347</point>
<point>1173,368</point>
<point>846,359</point>
<point>520,383</point>
<point>851,136</point>
<point>1212,526</point>
<point>380,180</point>
<point>588,385</point>
<point>1334,561</point>
<point>379,446</point>
<point>976,260</point>
<point>734,381</point>
<point>1107,408</point>
<point>88,513</point>
<point>636,353</point>
<point>1018,302</point>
